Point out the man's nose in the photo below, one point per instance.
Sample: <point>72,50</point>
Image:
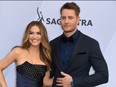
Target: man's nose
<point>66,20</point>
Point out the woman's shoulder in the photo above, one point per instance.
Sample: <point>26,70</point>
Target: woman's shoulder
<point>17,49</point>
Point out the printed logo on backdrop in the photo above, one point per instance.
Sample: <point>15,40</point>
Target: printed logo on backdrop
<point>56,21</point>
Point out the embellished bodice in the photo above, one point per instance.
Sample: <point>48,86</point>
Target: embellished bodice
<point>32,72</point>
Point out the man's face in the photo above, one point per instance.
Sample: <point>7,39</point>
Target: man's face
<point>69,20</point>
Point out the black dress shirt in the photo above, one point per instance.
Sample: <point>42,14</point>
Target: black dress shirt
<point>66,48</point>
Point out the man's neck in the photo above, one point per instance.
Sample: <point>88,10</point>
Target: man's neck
<point>68,34</point>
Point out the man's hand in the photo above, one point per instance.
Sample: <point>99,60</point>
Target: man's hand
<point>64,81</point>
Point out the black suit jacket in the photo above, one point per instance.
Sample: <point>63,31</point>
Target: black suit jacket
<point>86,53</point>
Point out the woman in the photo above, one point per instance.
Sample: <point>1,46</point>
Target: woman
<point>32,58</point>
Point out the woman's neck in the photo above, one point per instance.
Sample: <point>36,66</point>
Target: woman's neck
<point>34,49</point>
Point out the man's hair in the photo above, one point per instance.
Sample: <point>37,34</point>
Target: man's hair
<point>72,6</point>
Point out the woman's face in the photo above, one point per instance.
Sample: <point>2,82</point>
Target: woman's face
<point>35,36</point>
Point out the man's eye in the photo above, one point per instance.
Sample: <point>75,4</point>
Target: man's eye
<point>63,18</point>
<point>71,17</point>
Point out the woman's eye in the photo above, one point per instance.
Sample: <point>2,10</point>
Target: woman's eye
<point>30,32</point>
<point>39,33</point>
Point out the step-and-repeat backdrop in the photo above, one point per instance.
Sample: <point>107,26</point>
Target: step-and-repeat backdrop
<point>97,20</point>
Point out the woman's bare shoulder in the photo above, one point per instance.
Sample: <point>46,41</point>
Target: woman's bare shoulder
<point>17,49</point>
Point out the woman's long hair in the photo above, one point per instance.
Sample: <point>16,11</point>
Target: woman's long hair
<point>45,49</point>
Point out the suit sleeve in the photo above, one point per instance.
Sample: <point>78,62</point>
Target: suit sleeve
<point>98,63</point>
<point>52,73</point>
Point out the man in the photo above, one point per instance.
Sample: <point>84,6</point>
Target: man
<point>74,53</point>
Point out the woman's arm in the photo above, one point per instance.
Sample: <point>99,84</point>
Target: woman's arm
<point>4,63</point>
<point>47,80</point>
<point>2,80</point>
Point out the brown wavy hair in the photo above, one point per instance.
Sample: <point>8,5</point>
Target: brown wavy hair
<point>45,49</point>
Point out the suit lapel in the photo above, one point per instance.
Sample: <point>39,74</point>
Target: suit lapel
<point>76,49</point>
<point>57,55</point>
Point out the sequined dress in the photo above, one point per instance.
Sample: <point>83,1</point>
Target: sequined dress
<point>30,75</point>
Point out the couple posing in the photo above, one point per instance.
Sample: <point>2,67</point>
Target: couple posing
<point>64,62</point>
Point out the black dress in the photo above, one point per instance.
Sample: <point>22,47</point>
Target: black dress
<point>30,75</point>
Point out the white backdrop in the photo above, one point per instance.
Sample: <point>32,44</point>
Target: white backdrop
<point>97,20</point>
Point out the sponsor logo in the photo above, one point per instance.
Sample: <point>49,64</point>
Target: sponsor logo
<point>56,21</point>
